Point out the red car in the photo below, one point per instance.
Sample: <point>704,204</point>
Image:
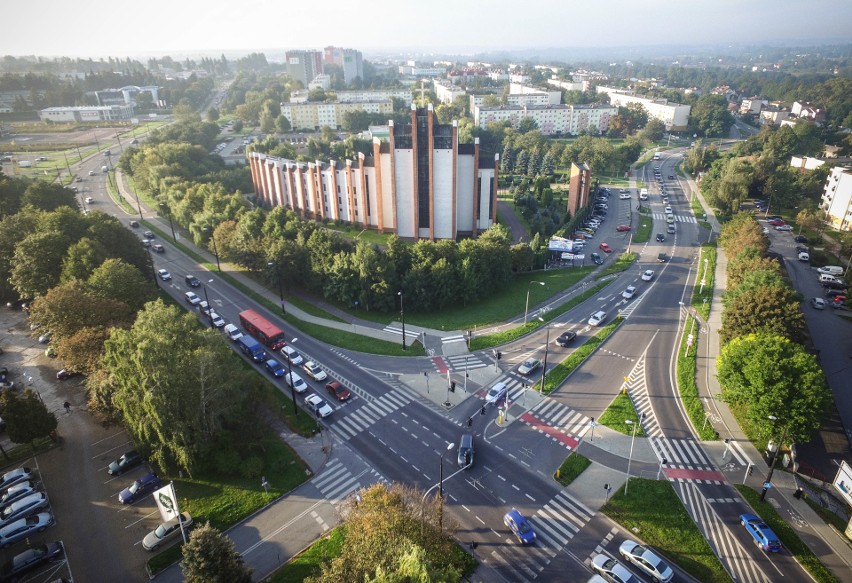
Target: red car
<point>338,391</point>
<point>605,248</point>
<point>622,228</point>
<point>777,223</point>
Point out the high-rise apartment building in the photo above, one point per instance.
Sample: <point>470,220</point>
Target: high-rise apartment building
<point>350,60</point>
<point>303,65</point>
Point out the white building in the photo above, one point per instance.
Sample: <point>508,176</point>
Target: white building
<point>550,119</point>
<point>837,198</point>
<point>420,183</point>
<point>314,115</point>
<point>550,97</point>
<point>373,95</point>
<point>412,69</point>
<point>774,115</point>
<point>569,85</point>
<point>674,115</point>
<point>321,81</point>
<point>446,91</point>
<point>87,113</point>
<point>751,105</point>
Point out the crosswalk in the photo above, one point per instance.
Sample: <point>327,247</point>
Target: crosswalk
<point>336,482</point>
<point>677,218</point>
<point>462,362</point>
<point>364,417</point>
<point>562,418</point>
<point>555,524</point>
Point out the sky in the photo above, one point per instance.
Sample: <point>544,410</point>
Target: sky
<point>122,28</point>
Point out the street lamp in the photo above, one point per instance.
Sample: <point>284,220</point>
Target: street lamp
<point>546,346</point>
<point>635,424</point>
<point>768,482</point>
<point>207,300</point>
<point>527,307</point>
<point>215,251</point>
<point>153,270</point>
<point>402,317</point>
<point>168,211</point>
<point>270,265</point>
<point>290,377</point>
<point>441,487</point>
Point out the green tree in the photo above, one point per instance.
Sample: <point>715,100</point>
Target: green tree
<point>213,114</point>
<point>27,418</point>
<point>282,124</point>
<point>710,116</point>
<point>114,279</point>
<point>210,557</point>
<point>48,196</point>
<point>69,307</point>
<point>769,375</point>
<point>775,310</point>
<point>34,263</point>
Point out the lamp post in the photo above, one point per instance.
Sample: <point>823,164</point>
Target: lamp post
<point>544,367</point>
<point>271,265</point>
<point>290,377</point>
<point>153,271</point>
<point>441,487</point>
<point>635,424</point>
<point>527,307</point>
<point>402,317</point>
<point>768,482</point>
<point>168,211</point>
<point>207,300</point>
<point>215,251</point>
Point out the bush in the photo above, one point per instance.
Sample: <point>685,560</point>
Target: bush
<point>251,467</point>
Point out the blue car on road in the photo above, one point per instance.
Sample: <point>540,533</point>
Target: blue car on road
<point>520,527</point>
<point>275,368</point>
<point>761,533</point>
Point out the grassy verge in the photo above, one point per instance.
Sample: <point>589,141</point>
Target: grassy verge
<point>561,371</point>
<point>702,296</point>
<point>309,562</point>
<point>653,511</point>
<point>827,515</point>
<point>686,368</point>
<point>788,536</point>
<point>624,261</point>
<point>574,465</point>
<point>643,229</point>
<point>115,196</point>
<point>25,451</point>
<point>619,411</point>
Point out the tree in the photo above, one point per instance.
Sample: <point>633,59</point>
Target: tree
<point>212,114</point>
<point>710,116</point>
<point>117,280</point>
<point>210,557</point>
<point>35,261</point>
<point>27,418</point>
<point>775,310</point>
<point>769,375</point>
<point>527,124</point>
<point>48,196</point>
<point>282,124</point>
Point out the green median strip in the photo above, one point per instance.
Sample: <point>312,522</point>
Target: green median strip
<point>574,465</point>
<point>618,413</point>
<point>561,371</point>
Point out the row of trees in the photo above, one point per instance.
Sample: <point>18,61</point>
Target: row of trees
<point>763,367</point>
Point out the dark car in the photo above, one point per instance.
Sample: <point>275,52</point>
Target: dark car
<point>662,258</point>
<point>520,527</point>
<point>134,224</point>
<point>801,239</point>
<point>661,238</point>
<point>139,489</point>
<point>565,338</point>
<point>838,285</point>
<point>192,281</point>
<point>131,459</point>
<point>65,374</point>
<point>833,293</point>
<point>597,259</point>
<point>30,559</point>
<point>275,368</point>
<point>338,391</point>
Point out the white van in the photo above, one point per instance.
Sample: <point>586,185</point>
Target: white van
<point>826,278</point>
<point>831,269</point>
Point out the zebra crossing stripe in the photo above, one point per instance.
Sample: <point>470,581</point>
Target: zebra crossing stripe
<point>739,453</point>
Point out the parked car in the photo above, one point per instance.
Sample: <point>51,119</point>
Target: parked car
<point>164,274</point>
<point>605,248</point>
<point>29,560</point>
<point>648,275</point>
<point>128,460</point>
<point>296,382</point>
<point>23,507</point>
<point>624,196</point>
<point>529,365</point>
<point>275,368</point>
<point>565,338</point>
<point>15,477</point>
<point>597,318</point>
<point>784,228</point>
<point>801,239</point>
<point>45,338</point>
<point>611,570</point>
<point>338,391</point>
<point>763,536</point>
<point>315,371</point>
<point>520,527</point>
<point>318,405</point>
<point>777,222</point>
<point>646,560</point>
<point>140,488</point>
<point>166,531</point>
<point>597,259</point>
<point>16,492</point>
<point>622,228</point>
<point>496,393</point>
<point>24,528</point>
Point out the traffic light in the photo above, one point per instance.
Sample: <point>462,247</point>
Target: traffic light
<point>453,387</point>
<point>499,355</point>
<point>750,469</point>
<point>482,411</point>
<point>469,421</point>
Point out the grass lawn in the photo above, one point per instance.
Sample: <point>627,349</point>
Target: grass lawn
<point>702,296</point>
<point>643,229</point>
<point>620,410</point>
<point>309,562</point>
<point>574,465</point>
<point>354,234</point>
<point>659,518</point>
<point>688,389</point>
<point>788,536</point>
<point>624,261</point>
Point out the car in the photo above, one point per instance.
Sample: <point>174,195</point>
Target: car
<point>833,293</point>
<point>313,370</point>
<point>204,307</point>
<point>529,365</point>
<point>146,243</point>
<point>801,239</point>
<point>605,248</point>
<point>648,275</point>
<point>804,256</point>
<point>777,222</point>
<point>646,560</point>
<point>275,368</point>
<point>629,292</point>
<point>192,281</point>
<point>292,355</point>
<point>295,382</point>
<point>774,218</point>
<point>520,527</point>
<point>338,391</point>
<point>91,172</point>
<point>134,224</point>
<point>166,531</point>
<point>763,536</point>
<point>29,560</point>
<point>89,200</point>
<point>50,353</point>
<point>134,141</point>
<point>157,248</point>
<point>597,259</point>
<point>622,228</point>
<point>318,405</point>
<point>565,338</point>
<point>662,257</point>
<point>496,393</point>
<point>661,238</point>
<point>17,492</point>
<point>830,269</point>
<point>800,249</point>
<point>65,374</point>
<point>148,234</point>
<point>24,528</point>
<point>671,229</point>
<point>597,318</point>
<point>818,303</point>
<point>79,179</point>
<point>668,210</point>
<point>16,476</point>
<point>4,372</point>
<point>611,570</point>
<point>839,285</point>
<point>233,332</point>
<point>643,196</point>
<point>44,338</point>
<point>164,274</point>
<point>216,320</point>
<point>837,301</point>
<point>23,507</point>
<point>139,488</point>
<point>671,177</point>
<point>624,196</point>
<point>128,460</point>
<point>784,228</point>
<point>669,219</point>
<point>192,298</point>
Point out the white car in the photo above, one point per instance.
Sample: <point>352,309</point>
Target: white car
<point>89,200</point>
<point>646,560</point>
<point>643,196</point>
<point>296,382</point>
<point>629,292</point>
<point>166,530</point>
<point>597,318</point>
<point>290,353</point>
<point>318,405</point>
<point>804,256</point>
<point>314,371</point>
<point>164,275</point>
<point>193,299</point>
<point>496,393</point>
<point>648,275</point>
<point>218,321</point>
<point>784,228</point>
<point>204,307</point>
<point>612,570</point>
<point>668,210</point>
<point>624,196</point>
<point>233,332</point>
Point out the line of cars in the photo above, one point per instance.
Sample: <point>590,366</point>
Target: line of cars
<point>835,287</point>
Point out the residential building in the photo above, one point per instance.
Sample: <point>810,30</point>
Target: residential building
<point>806,163</point>
<point>579,185</point>
<point>446,91</point>
<point>373,95</point>
<point>313,115</point>
<point>350,60</point>
<point>519,78</point>
<point>420,183</point>
<point>569,85</point>
<point>303,66</point>
<point>322,81</point>
<point>550,119</point>
<point>550,97</point>
<point>412,69</point>
<point>774,115</point>
<point>837,198</point>
<point>87,113</point>
<point>675,116</point>
<point>807,110</point>
<point>751,105</point>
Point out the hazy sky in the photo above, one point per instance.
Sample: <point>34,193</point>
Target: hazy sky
<point>124,28</point>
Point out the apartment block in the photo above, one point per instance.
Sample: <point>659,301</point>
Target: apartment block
<point>303,66</point>
<point>550,119</point>
<point>312,115</point>
<point>674,115</point>
<point>837,198</point>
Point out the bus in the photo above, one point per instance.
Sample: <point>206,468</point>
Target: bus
<point>262,329</point>
<point>656,155</point>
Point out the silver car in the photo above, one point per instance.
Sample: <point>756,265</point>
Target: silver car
<point>24,528</point>
<point>23,508</point>
<point>165,532</point>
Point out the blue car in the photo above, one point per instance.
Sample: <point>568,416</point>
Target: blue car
<point>761,533</point>
<point>520,527</point>
<point>275,367</point>
<point>139,489</point>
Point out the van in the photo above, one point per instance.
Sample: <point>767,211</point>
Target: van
<point>251,348</point>
<point>104,169</point>
<point>465,459</point>
<point>831,269</point>
<point>826,277</point>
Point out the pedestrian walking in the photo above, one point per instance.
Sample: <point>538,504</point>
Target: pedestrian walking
<point>67,406</point>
